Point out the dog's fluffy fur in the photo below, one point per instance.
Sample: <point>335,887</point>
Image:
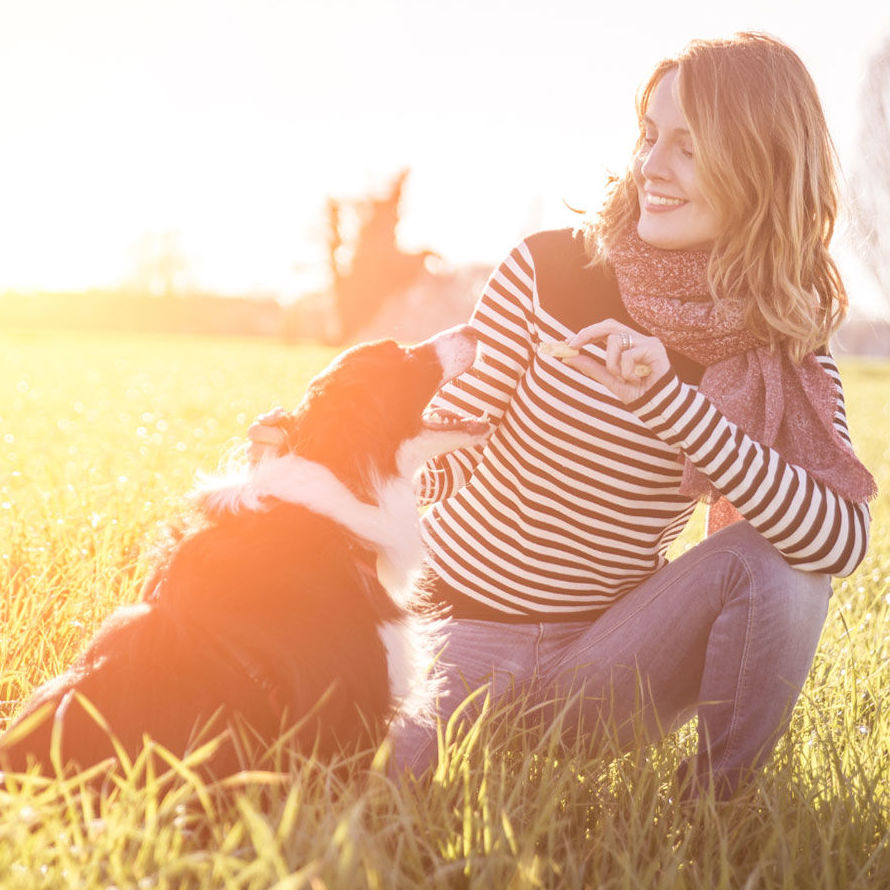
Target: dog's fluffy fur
<point>290,606</point>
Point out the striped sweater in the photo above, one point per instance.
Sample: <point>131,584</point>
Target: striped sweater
<point>575,499</point>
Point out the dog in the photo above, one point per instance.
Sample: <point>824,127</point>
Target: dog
<point>289,606</point>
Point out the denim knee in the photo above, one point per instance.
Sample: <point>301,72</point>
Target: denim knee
<point>768,572</point>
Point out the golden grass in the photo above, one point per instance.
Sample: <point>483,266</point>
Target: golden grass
<point>99,441</point>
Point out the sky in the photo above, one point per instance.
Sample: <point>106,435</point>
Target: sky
<point>226,124</point>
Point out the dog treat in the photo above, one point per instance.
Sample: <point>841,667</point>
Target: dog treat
<point>558,349</point>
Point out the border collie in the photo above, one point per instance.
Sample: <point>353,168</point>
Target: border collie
<point>288,605</point>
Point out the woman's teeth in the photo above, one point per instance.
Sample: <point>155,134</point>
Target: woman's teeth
<point>664,202</point>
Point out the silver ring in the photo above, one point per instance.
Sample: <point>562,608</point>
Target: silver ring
<point>626,342</point>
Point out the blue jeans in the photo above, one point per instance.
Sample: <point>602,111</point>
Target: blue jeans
<point>728,629</point>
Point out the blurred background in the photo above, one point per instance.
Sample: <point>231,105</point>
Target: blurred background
<point>338,169</point>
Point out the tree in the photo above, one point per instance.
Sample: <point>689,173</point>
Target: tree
<point>376,268</point>
<point>160,265</point>
<point>871,181</point>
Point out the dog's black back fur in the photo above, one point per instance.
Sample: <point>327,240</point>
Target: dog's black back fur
<point>220,636</point>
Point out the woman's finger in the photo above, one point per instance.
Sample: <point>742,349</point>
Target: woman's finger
<point>591,368</point>
<point>615,345</point>
<point>264,439</point>
<point>601,374</point>
<point>265,434</point>
<point>599,332</point>
<point>272,416</point>
<point>629,364</point>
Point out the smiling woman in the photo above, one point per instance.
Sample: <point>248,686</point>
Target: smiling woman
<point>549,546</point>
<point>675,212</point>
<point>752,176</point>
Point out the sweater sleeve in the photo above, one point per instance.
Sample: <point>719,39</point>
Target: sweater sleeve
<point>503,319</point>
<point>812,527</point>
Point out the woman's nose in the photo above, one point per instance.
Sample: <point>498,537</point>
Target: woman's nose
<point>653,164</point>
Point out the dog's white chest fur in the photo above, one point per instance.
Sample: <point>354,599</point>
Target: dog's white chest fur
<point>391,527</point>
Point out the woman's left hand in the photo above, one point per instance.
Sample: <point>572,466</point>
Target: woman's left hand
<point>633,361</point>
<point>265,435</point>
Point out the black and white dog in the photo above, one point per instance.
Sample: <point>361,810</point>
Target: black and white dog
<point>290,606</point>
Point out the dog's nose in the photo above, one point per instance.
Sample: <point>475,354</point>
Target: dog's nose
<point>461,337</point>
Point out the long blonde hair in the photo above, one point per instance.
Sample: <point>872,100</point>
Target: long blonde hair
<point>766,162</point>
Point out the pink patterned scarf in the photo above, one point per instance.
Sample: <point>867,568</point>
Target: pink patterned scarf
<point>779,403</point>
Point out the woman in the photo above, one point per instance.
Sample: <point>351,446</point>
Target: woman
<point>701,300</point>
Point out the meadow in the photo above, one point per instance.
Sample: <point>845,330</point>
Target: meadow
<point>100,439</point>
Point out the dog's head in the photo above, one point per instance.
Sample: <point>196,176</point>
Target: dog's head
<point>364,417</point>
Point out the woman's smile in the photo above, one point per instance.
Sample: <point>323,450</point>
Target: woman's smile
<point>660,203</point>
<point>674,211</point>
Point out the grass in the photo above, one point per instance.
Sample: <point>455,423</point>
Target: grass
<point>99,440</point>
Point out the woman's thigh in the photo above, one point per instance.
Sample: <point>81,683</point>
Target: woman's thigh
<point>728,616</point>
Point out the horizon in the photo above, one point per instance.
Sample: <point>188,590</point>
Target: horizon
<point>225,127</point>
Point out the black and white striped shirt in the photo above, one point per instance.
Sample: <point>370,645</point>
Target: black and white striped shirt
<point>575,499</point>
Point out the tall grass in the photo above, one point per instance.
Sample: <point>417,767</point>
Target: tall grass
<point>100,439</point>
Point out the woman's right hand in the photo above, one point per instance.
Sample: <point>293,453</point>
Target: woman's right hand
<point>634,362</point>
<point>266,435</point>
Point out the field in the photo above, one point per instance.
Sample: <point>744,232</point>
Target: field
<point>99,441</point>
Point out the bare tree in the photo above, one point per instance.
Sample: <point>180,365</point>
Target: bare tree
<point>375,269</point>
<point>871,179</point>
<point>160,265</point>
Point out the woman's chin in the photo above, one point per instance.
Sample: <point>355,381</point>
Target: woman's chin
<point>665,235</point>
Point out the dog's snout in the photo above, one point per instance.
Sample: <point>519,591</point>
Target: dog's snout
<point>464,332</point>
<point>455,348</point>
<point>469,332</point>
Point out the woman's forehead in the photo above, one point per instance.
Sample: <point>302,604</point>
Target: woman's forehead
<point>663,108</point>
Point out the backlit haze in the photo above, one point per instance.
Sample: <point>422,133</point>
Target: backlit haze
<point>229,122</point>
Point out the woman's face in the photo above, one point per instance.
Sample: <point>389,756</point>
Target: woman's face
<point>674,214</point>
